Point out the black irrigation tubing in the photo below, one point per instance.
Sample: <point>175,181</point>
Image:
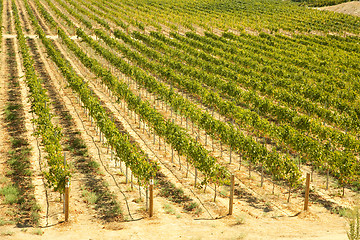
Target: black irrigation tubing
<point>37,142</point>
<point>165,165</point>
<point>204,108</point>
<point>104,93</point>
<point>99,153</point>
<point>188,130</point>
<point>38,145</point>
<point>33,50</point>
<point>249,189</point>
<point>198,130</point>
<point>149,128</point>
<point>225,152</point>
<point>102,163</point>
<point>236,178</point>
<point>191,171</point>
<point>177,163</point>
<point>209,186</point>
<point>40,166</point>
<point>39,160</point>
<point>246,187</point>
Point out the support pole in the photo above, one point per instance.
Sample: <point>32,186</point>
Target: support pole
<point>67,187</point>
<point>151,200</point>
<point>64,193</point>
<point>231,200</point>
<point>147,198</point>
<point>307,190</point>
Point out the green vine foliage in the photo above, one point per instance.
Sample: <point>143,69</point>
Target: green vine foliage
<point>139,164</point>
<point>50,135</point>
<point>247,79</point>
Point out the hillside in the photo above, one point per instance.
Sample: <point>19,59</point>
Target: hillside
<point>189,119</point>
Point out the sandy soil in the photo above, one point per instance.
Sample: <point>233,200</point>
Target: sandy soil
<point>352,8</point>
<point>250,221</point>
<point>4,137</point>
<point>170,227</point>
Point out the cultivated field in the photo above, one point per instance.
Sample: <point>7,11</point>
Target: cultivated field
<point>133,99</point>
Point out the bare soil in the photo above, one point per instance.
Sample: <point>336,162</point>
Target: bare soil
<point>258,214</point>
<point>352,8</point>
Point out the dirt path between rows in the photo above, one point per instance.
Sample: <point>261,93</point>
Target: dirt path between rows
<point>5,74</point>
<point>175,224</point>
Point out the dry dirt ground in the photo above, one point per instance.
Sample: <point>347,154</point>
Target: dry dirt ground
<point>352,8</point>
<point>165,226</point>
<point>248,222</point>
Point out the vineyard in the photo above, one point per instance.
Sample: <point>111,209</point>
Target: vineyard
<point>167,120</point>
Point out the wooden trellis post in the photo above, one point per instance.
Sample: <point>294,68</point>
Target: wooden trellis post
<point>231,200</point>
<point>151,200</point>
<point>307,190</point>
<point>67,197</point>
